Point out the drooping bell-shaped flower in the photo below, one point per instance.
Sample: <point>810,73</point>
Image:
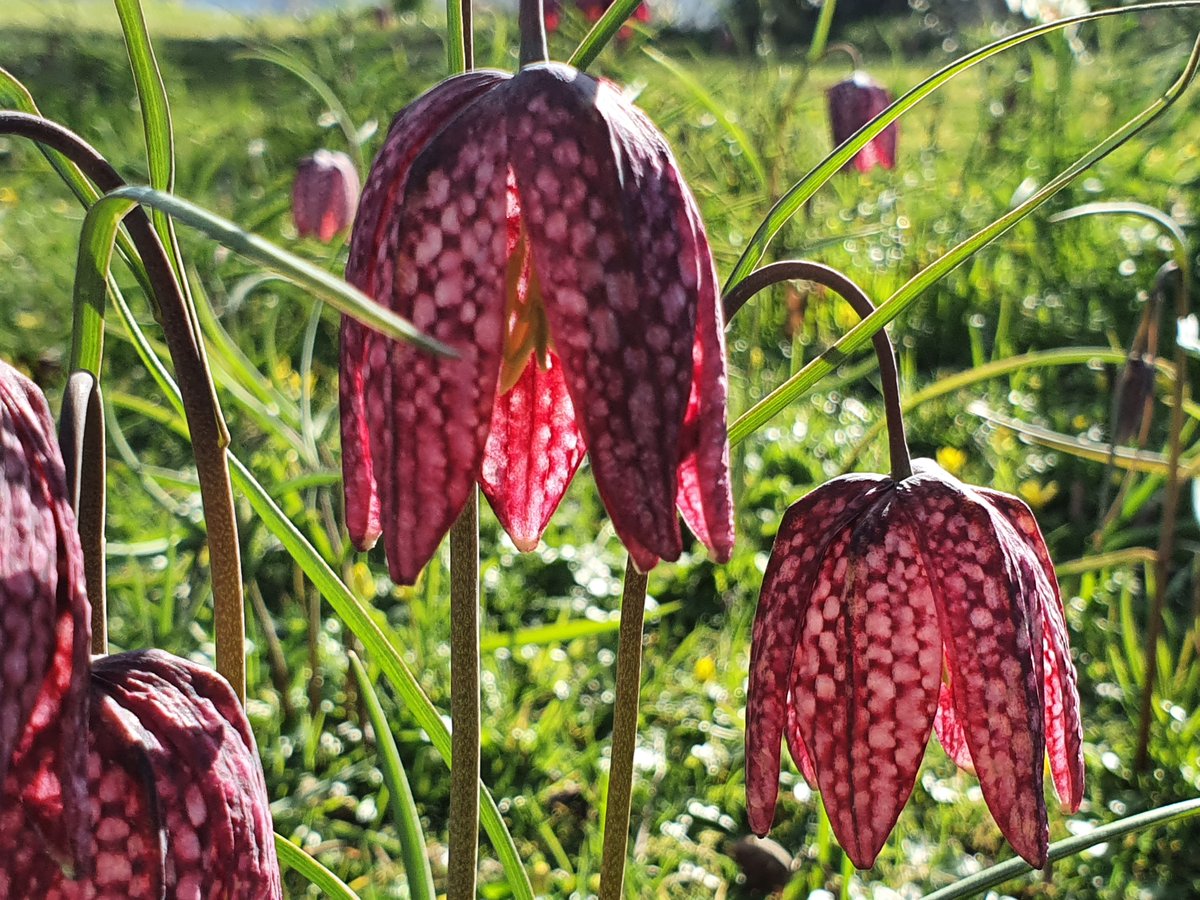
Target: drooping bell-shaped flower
<point>852,104</point>
<point>133,777</point>
<point>538,225</point>
<point>893,608</point>
<point>324,195</point>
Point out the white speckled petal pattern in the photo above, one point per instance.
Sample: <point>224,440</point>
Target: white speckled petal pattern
<point>705,497</point>
<point>44,620</point>
<point>603,224</point>
<point>788,588</point>
<point>979,570</point>
<point>865,677</point>
<point>372,269</point>
<point>429,416</point>
<point>1064,729</point>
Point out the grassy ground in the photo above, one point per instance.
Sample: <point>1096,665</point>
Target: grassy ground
<point>550,626</point>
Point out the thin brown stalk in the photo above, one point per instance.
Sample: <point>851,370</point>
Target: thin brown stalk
<point>201,410</point>
<point>464,702</point>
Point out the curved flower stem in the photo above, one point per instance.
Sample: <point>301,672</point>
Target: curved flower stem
<point>464,702</point>
<point>205,424</point>
<point>849,49</point>
<point>624,739</point>
<point>532,20</point>
<point>1166,544</point>
<point>81,437</point>
<point>800,269</point>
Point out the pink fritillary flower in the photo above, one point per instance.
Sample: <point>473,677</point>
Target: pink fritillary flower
<point>324,195</point>
<point>890,609</point>
<point>852,104</point>
<point>133,777</point>
<point>539,226</point>
<point>592,11</point>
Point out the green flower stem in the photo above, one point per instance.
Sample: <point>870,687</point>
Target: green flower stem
<point>800,269</point>
<point>821,33</point>
<point>624,740</point>
<point>203,414</point>
<point>81,437</point>
<point>464,702</point>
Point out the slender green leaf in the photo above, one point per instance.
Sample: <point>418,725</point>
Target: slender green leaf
<point>1093,451</point>
<point>456,50</point>
<point>858,336</point>
<point>156,119</point>
<point>561,632</point>
<point>1130,556</point>
<point>14,95</point>
<point>997,875</point>
<point>821,32</point>
<point>602,32</point>
<point>296,859</point>
<point>321,88</point>
<point>1068,356</point>
<point>796,196</point>
<point>100,227</point>
<point>404,808</point>
<point>709,102</point>
<point>353,612</point>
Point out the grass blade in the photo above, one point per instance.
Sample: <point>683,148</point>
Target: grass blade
<point>562,632</point>
<point>602,32</point>
<point>156,119</point>
<point>296,859</point>
<point>858,336</point>
<point>354,613</point>
<point>321,88</point>
<point>404,808</point>
<point>796,196</point>
<point>100,228</point>
<point>997,875</point>
<point>705,99</point>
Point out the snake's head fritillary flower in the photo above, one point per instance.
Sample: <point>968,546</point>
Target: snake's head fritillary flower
<point>852,104</point>
<point>890,609</point>
<point>324,195</point>
<point>44,640</point>
<point>539,226</point>
<point>133,777</point>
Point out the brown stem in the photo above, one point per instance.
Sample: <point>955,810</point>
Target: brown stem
<point>468,35</point>
<point>624,739</point>
<point>276,660</point>
<point>201,410</point>
<point>849,49</point>
<point>532,20</point>
<point>464,702</point>
<point>81,437</point>
<point>804,270</point>
<point>1166,544</point>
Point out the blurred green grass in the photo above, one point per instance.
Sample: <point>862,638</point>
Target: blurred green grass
<point>241,125</point>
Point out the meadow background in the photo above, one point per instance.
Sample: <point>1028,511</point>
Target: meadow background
<point>746,119</point>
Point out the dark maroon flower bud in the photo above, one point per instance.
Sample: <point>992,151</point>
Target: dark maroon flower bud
<point>874,589</point>
<point>1134,389</point>
<point>133,777</point>
<point>852,104</point>
<point>537,224</point>
<point>324,194</point>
